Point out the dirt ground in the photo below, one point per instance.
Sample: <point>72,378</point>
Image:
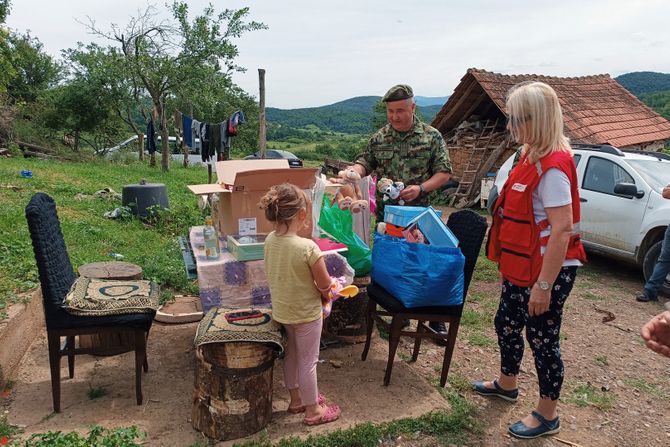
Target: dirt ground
<point>634,409</point>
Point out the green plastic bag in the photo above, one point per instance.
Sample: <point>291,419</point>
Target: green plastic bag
<point>336,224</point>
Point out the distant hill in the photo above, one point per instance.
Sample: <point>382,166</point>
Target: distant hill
<point>640,82</point>
<point>353,115</point>
<point>430,100</point>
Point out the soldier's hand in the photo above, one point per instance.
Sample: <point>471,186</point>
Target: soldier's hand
<point>410,193</point>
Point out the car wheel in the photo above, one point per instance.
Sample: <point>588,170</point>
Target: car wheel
<point>649,262</point>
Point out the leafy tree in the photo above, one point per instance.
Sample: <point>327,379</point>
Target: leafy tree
<point>379,119</point>
<point>659,101</point>
<point>168,57</point>
<point>33,70</point>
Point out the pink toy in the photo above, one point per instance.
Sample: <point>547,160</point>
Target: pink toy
<point>336,290</point>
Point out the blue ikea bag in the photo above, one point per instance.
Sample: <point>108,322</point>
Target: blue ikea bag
<point>418,274</point>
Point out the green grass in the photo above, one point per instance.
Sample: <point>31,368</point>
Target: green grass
<point>481,340</point>
<point>485,270</point>
<point>88,235</point>
<point>601,360</point>
<point>95,393</point>
<point>585,394</point>
<point>455,426</point>
<point>646,387</point>
<point>97,436</point>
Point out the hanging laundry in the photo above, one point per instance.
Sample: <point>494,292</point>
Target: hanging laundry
<point>215,142</point>
<point>225,141</point>
<point>151,138</point>
<point>195,131</point>
<point>186,122</point>
<point>235,120</point>
<point>204,139</point>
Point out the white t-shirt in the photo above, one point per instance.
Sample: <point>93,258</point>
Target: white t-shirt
<point>552,191</point>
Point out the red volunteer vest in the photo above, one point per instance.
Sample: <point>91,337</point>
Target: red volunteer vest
<point>514,238</point>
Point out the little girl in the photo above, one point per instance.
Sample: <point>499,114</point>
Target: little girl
<point>298,281</point>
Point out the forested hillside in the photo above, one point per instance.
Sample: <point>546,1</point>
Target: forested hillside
<point>352,116</point>
<point>641,82</point>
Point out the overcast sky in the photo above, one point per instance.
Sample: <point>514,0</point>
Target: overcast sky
<point>320,52</point>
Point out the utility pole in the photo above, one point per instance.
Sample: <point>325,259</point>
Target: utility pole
<point>261,106</point>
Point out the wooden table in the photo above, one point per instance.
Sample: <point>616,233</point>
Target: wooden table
<point>110,343</point>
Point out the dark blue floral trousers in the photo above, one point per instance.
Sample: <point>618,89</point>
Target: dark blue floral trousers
<point>542,332</point>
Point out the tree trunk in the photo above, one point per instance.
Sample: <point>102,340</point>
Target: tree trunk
<point>76,141</point>
<point>140,145</point>
<point>165,144</point>
<point>261,107</point>
<point>232,394</point>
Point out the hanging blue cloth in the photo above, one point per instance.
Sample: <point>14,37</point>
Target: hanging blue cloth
<point>186,122</point>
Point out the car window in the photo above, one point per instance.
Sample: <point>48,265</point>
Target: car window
<point>272,154</point>
<point>577,157</point>
<point>656,173</point>
<point>602,174</point>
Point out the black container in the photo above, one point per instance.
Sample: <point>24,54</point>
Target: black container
<point>144,195</point>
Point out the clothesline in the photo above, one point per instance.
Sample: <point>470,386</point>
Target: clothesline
<point>213,140</point>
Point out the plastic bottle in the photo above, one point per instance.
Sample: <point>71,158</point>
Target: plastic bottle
<point>211,236</point>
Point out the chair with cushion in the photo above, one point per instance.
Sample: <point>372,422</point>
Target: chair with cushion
<point>470,229</point>
<point>68,318</point>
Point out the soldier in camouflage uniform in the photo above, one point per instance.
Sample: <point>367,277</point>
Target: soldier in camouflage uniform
<point>409,151</point>
<point>406,150</point>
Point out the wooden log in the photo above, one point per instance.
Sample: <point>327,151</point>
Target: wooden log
<point>232,393</point>
<point>34,147</point>
<point>110,343</point>
<point>261,112</point>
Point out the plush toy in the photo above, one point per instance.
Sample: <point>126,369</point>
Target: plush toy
<point>381,228</point>
<point>349,196</point>
<point>336,290</point>
<point>390,189</point>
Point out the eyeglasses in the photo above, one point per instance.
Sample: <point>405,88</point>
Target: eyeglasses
<point>515,121</point>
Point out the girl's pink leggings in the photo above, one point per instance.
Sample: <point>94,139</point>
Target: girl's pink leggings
<point>302,355</point>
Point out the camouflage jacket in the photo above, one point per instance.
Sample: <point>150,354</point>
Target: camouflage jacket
<point>410,157</point>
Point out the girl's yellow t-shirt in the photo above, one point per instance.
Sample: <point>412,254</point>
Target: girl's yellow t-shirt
<point>288,262</point>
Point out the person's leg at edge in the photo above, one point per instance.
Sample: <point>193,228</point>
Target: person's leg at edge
<point>509,322</point>
<point>308,336</point>
<point>548,361</point>
<point>661,269</point>
<point>291,366</point>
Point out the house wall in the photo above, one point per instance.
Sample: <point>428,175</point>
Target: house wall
<point>653,146</point>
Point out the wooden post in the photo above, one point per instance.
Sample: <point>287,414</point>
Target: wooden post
<point>261,106</point>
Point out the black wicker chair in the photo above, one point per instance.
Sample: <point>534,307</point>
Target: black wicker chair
<point>470,229</point>
<point>56,278</point>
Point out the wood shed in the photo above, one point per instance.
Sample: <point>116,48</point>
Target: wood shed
<point>596,110</point>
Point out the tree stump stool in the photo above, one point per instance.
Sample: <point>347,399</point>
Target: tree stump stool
<point>347,318</point>
<point>110,343</point>
<point>232,395</point>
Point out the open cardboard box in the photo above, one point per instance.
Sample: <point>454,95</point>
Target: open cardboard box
<point>240,186</point>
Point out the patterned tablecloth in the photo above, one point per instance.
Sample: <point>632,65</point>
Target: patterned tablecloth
<point>227,282</point>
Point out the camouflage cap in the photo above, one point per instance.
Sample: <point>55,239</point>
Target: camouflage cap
<point>398,93</point>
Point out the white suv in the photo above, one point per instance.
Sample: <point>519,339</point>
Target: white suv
<point>623,212</point>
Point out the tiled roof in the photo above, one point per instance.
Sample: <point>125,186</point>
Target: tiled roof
<point>596,109</point>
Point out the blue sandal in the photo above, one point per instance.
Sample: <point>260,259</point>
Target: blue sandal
<point>546,427</point>
<point>508,395</point>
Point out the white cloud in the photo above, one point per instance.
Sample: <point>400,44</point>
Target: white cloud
<point>317,53</point>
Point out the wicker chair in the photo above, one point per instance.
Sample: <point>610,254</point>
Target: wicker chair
<point>470,229</point>
<point>56,278</point>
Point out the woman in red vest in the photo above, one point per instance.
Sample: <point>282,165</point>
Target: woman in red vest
<point>534,239</point>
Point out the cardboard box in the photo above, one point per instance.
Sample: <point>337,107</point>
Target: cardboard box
<point>401,216</point>
<point>433,229</point>
<point>240,186</point>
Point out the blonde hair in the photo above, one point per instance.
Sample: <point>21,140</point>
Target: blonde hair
<point>535,106</point>
<point>282,203</point>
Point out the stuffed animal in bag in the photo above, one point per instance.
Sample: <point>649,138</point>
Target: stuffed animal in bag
<point>390,189</point>
<point>336,290</point>
<point>349,196</point>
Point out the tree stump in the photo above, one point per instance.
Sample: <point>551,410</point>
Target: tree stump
<point>110,343</point>
<point>347,318</point>
<point>232,394</point>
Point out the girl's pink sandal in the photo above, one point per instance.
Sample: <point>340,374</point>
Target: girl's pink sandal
<point>321,400</point>
<point>331,414</point>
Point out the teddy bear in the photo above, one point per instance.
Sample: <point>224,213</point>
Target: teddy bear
<point>390,189</point>
<point>349,196</point>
